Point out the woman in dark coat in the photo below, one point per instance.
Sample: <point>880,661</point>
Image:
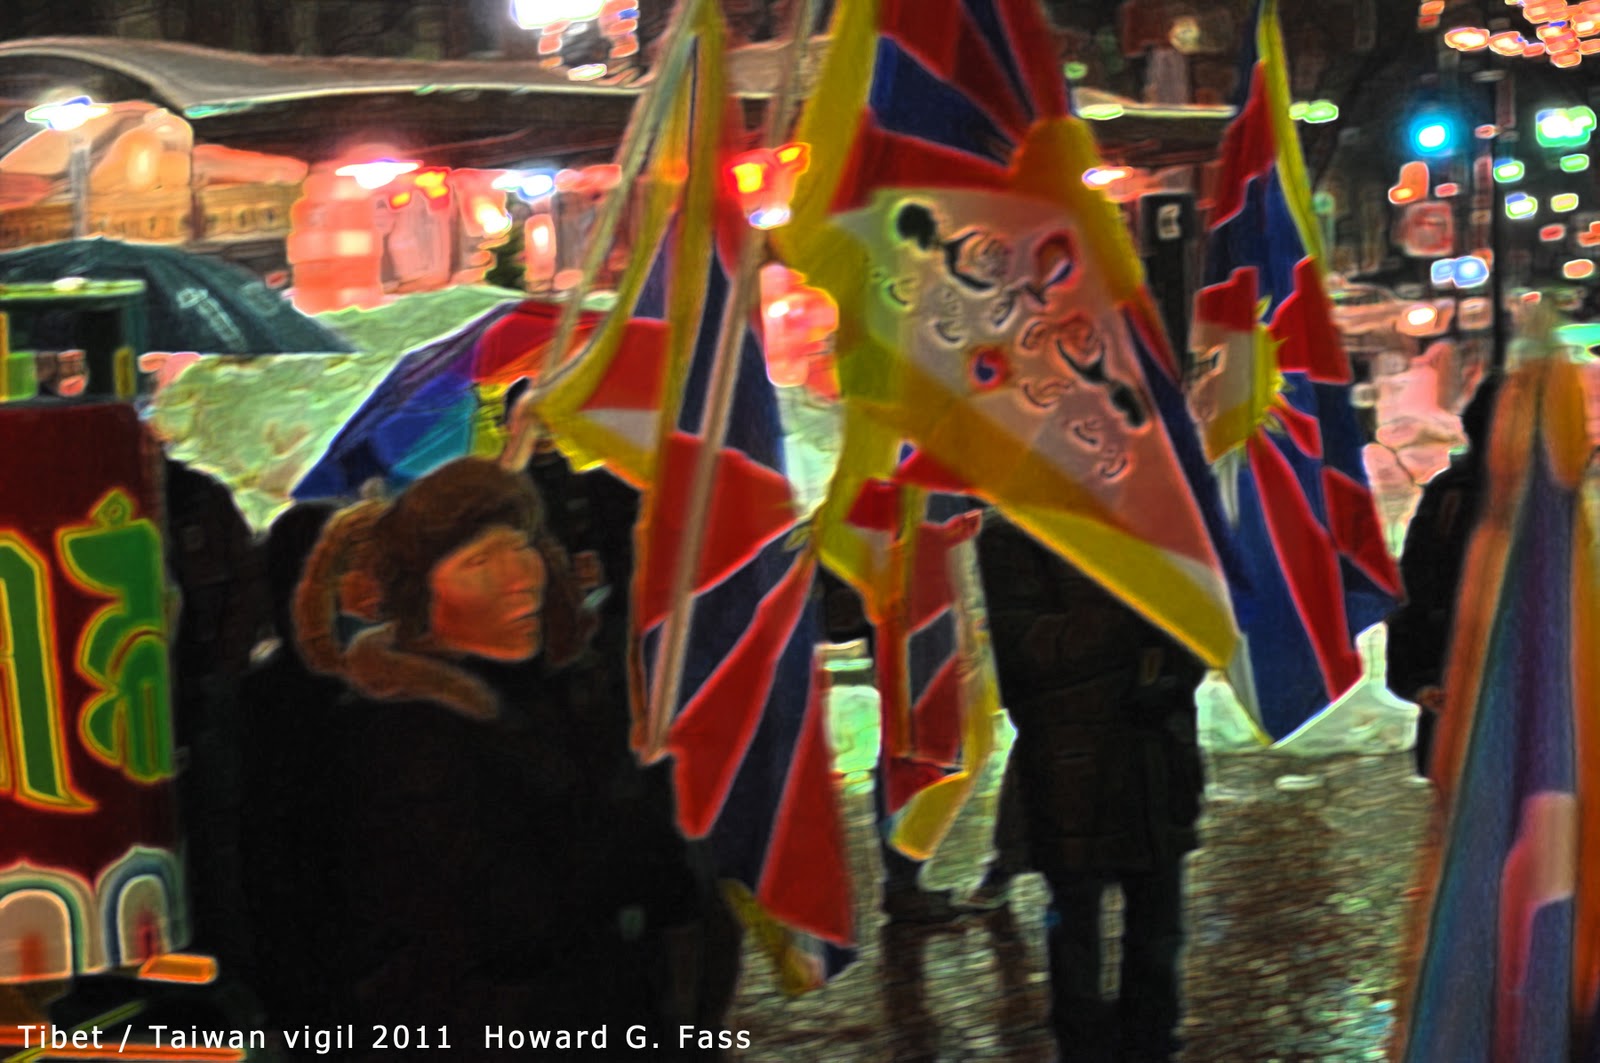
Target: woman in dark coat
<point>507,863</point>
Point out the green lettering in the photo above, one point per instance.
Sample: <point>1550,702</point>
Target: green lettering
<point>123,650</point>
<point>30,704</point>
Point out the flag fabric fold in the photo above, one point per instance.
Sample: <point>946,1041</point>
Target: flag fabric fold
<point>752,764</point>
<point>1273,395</point>
<point>1509,970</point>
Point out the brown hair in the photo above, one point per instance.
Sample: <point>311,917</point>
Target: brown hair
<point>447,509</point>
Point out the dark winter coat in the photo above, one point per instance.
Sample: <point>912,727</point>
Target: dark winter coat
<point>515,871</point>
<point>1103,704</point>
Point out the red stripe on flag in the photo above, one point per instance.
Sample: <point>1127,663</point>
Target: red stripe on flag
<point>1231,304</point>
<point>877,507</point>
<point>805,880</point>
<point>751,504</point>
<point>931,590</point>
<point>938,717</point>
<point>1353,520</point>
<point>921,470</point>
<point>945,40</point>
<point>637,375</point>
<point>1304,429</point>
<point>1249,149</point>
<point>711,735</point>
<point>907,776</point>
<point>1041,69</point>
<point>1309,343</point>
<point>515,346</point>
<point>1310,566</point>
<point>880,159</point>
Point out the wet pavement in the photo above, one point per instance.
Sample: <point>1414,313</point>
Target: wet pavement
<point>1297,910</point>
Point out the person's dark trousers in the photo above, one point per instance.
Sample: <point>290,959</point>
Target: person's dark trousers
<point>1010,826</point>
<point>1142,1024</point>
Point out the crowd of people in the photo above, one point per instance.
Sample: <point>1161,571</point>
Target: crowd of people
<point>419,803</point>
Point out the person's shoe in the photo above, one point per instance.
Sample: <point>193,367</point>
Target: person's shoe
<point>925,907</point>
<point>992,894</point>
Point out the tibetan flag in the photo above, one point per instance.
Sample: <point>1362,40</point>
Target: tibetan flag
<point>992,313</point>
<point>1510,967</point>
<point>753,764</point>
<point>937,685</point>
<point>1275,405</point>
<point>753,767</point>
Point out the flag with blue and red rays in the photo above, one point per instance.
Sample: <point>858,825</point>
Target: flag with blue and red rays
<point>1510,966</point>
<point>1274,400</point>
<point>993,314</point>
<point>753,765</point>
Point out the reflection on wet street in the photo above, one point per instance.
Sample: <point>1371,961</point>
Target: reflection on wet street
<point>1297,909</point>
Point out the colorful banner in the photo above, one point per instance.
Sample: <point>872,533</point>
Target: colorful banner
<point>89,878</point>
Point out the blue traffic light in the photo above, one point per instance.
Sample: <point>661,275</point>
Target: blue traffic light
<point>1434,133</point>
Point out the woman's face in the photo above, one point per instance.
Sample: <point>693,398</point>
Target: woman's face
<point>486,596</point>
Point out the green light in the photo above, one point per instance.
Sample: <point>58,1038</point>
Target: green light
<point>1320,111</point>
<point>1076,71</point>
<point>1322,203</point>
<point>1508,170</point>
<point>1521,205</point>
<point>1574,163</point>
<point>1297,110</point>
<point>1101,112</point>
<point>1564,202</point>
<point>1564,127</point>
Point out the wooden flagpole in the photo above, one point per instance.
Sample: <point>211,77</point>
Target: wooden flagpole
<point>724,375</point>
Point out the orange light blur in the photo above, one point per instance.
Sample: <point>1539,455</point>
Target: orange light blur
<point>1544,10</point>
<point>1508,43</point>
<point>1566,59</point>
<point>1551,233</point>
<point>1413,183</point>
<point>1448,189</point>
<point>1467,39</point>
<point>1578,269</point>
<point>179,967</point>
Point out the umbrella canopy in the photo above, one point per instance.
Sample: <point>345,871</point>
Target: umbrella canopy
<point>420,416</point>
<point>195,303</point>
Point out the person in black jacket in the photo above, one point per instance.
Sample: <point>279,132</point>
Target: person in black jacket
<point>1430,569</point>
<point>1110,780</point>
<point>592,516</point>
<point>222,608</point>
<point>289,779</point>
<point>506,862</point>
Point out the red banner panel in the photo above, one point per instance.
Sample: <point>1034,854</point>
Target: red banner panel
<point>89,874</point>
